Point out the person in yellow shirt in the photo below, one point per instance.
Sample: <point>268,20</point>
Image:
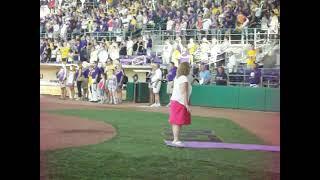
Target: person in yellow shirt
<point>216,9</point>
<point>192,47</point>
<point>251,54</point>
<point>64,50</point>
<point>133,23</point>
<point>175,57</point>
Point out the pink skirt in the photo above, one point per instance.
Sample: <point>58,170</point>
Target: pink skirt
<point>179,114</point>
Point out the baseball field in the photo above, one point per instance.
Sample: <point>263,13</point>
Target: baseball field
<point>82,140</point>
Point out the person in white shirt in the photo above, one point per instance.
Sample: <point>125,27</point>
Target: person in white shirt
<point>145,20</point>
<point>183,27</point>
<point>129,45</point>
<point>204,47</point>
<point>170,24</point>
<point>62,76</point>
<point>139,20</point>
<point>56,29</point>
<point>94,55</point>
<point>232,64</point>
<point>82,3</point>
<point>70,81</point>
<point>60,3</point>
<point>156,84</point>
<point>103,55</point>
<point>180,102</point>
<point>167,52</point>
<point>214,50</point>
<point>206,24</point>
<point>63,32</point>
<point>54,54</point>
<point>114,51</point>
<point>125,21</point>
<point>274,24</point>
<point>84,25</point>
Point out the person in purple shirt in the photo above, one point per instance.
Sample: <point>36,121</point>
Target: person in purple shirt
<point>95,78</point>
<point>255,76</point>
<point>84,85</point>
<point>119,74</point>
<point>172,70</point>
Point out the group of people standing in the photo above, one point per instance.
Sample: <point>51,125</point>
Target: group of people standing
<point>94,82</point>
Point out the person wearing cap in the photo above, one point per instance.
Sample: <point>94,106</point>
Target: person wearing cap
<point>156,84</point>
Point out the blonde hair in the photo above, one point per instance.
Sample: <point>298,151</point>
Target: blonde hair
<point>183,69</point>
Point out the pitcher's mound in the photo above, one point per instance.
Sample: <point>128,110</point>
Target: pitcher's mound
<point>57,131</point>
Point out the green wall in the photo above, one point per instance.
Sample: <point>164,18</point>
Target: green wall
<point>260,99</point>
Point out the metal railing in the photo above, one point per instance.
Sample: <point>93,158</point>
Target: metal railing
<point>254,36</point>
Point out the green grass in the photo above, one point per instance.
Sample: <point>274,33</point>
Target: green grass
<point>138,151</point>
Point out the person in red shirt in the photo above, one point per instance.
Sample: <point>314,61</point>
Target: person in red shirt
<point>199,25</point>
<point>51,5</point>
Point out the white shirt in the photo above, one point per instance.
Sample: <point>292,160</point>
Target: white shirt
<point>56,28</point>
<point>103,55</point>
<point>93,56</point>
<point>274,24</point>
<point>129,44</point>
<point>145,20</point>
<point>264,23</point>
<point>70,78</point>
<point>157,75</point>
<point>184,25</point>
<point>54,53</point>
<point>170,25</point>
<point>125,22</point>
<point>177,90</point>
<point>206,24</point>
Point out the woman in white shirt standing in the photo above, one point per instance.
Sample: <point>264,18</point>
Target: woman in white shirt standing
<point>71,80</point>
<point>180,101</point>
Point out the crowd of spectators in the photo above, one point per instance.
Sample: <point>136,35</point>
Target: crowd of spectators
<point>178,16</point>
<point>80,18</point>
<point>205,16</point>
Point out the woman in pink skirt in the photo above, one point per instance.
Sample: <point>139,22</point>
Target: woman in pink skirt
<point>180,102</point>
